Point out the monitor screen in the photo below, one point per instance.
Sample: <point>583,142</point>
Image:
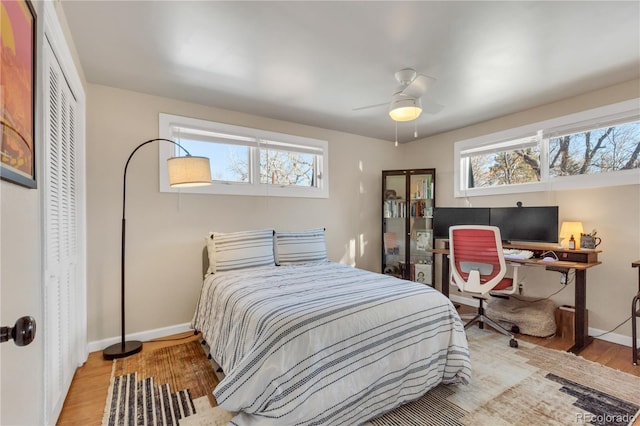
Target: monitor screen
<point>535,224</point>
<point>444,217</point>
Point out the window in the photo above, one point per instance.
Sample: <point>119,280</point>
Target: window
<point>600,147</point>
<point>601,150</point>
<point>248,161</point>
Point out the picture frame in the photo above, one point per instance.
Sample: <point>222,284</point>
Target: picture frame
<point>18,93</point>
<point>423,240</point>
<point>423,273</point>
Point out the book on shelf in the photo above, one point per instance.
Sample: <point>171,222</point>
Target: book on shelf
<point>391,243</point>
<point>424,188</point>
<point>394,208</point>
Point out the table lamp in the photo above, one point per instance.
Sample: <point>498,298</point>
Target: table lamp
<point>567,230</point>
<point>183,171</point>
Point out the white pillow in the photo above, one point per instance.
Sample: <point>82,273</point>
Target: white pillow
<point>238,250</point>
<point>300,247</point>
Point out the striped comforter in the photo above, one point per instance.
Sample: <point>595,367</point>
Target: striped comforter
<point>325,343</point>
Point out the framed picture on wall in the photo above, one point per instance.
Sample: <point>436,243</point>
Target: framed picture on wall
<point>17,92</point>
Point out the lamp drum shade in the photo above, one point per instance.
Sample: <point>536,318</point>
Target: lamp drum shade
<point>188,171</point>
<point>568,229</point>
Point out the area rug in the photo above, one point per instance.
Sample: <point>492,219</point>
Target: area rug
<point>523,386</point>
<point>161,387</point>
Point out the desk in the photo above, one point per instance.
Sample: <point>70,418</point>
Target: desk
<point>580,261</point>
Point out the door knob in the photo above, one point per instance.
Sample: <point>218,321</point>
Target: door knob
<point>23,332</point>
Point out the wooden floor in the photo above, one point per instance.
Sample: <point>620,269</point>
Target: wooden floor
<point>86,398</point>
<point>87,395</point>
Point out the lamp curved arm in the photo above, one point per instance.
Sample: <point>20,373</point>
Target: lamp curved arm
<point>124,184</point>
<point>128,348</point>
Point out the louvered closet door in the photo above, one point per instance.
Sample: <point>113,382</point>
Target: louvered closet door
<point>60,234</point>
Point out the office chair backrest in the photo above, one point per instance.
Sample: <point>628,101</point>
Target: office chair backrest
<point>476,258</point>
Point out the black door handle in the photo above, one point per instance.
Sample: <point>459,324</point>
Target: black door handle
<point>23,332</point>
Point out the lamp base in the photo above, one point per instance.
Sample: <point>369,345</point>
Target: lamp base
<point>118,351</point>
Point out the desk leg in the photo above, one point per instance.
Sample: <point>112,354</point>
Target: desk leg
<point>444,280</point>
<point>582,338</point>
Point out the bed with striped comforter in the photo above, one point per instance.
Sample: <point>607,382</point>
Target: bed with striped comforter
<point>326,343</point>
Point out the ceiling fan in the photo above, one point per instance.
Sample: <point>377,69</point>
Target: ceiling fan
<point>406,102</point>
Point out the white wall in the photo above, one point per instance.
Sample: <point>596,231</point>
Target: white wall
<point>165,232</point>
<point>614,211</point>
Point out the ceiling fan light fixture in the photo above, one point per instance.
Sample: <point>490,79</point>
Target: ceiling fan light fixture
<point>404,108</point>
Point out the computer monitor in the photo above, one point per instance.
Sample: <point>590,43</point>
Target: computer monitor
<point>444,217</point>
<point>531,224</point>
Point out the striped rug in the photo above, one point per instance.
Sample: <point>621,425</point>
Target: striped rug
<point>162,387</point>
<point>141,402</point>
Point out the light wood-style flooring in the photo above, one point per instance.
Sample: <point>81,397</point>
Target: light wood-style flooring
<point>85,401</point>
<point>87,395</point>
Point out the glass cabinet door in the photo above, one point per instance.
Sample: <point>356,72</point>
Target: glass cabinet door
<point>408,200</point>
<point>421,204</point>
<point>394,229</point>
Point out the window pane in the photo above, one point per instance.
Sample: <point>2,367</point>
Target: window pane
<point>504,167</point>
<point>279,167</point>
<point>596,151</point>
<point>229,162</point>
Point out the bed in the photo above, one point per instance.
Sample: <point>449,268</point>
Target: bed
<point>317,342</point>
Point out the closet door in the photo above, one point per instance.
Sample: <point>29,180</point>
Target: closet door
<point>61,248</point>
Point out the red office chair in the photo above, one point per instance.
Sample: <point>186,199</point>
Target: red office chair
<point>478,267</point>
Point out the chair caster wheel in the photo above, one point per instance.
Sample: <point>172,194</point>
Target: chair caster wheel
<point>513,343</point>
<point>515,329</point>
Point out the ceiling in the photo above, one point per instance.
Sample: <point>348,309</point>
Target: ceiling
<point>314,62</point>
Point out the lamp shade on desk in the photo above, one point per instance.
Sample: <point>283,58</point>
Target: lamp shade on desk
<point>567,230</point>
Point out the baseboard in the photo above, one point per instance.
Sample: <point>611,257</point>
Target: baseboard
<point>99,345</point>
<point>143,336</point>
<point>619,339</point>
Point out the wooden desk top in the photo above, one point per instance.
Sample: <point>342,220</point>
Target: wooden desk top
<point>635,264</point>
<point>560,264</point>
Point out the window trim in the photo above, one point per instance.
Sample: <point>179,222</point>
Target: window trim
<point>615,113</point>
<point>316,146</point>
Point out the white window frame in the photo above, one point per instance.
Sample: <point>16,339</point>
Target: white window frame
<point>255,138</point>
<point>544,130</point>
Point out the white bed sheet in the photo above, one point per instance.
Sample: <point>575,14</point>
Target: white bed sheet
<point>326,343</point>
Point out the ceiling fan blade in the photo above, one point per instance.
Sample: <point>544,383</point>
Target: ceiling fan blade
<point>430,106</point>
<point>370,106</point>
<point>419,86</point>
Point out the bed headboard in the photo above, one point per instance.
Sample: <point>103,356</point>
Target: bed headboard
<point>205,261</point>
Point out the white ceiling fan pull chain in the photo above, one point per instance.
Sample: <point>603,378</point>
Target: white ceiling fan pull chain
<point>396,133</point>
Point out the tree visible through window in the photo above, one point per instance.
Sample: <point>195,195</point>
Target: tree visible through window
<point>250,161</point>
<point>599,150</point>
<point>286,168</point>
<point>504,168</point>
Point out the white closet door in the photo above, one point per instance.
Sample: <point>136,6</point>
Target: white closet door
<point>60,235</point>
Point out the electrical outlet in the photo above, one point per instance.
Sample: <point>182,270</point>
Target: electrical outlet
<point>563,278</point>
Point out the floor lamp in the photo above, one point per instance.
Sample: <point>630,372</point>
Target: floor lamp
<point>183,171</point>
